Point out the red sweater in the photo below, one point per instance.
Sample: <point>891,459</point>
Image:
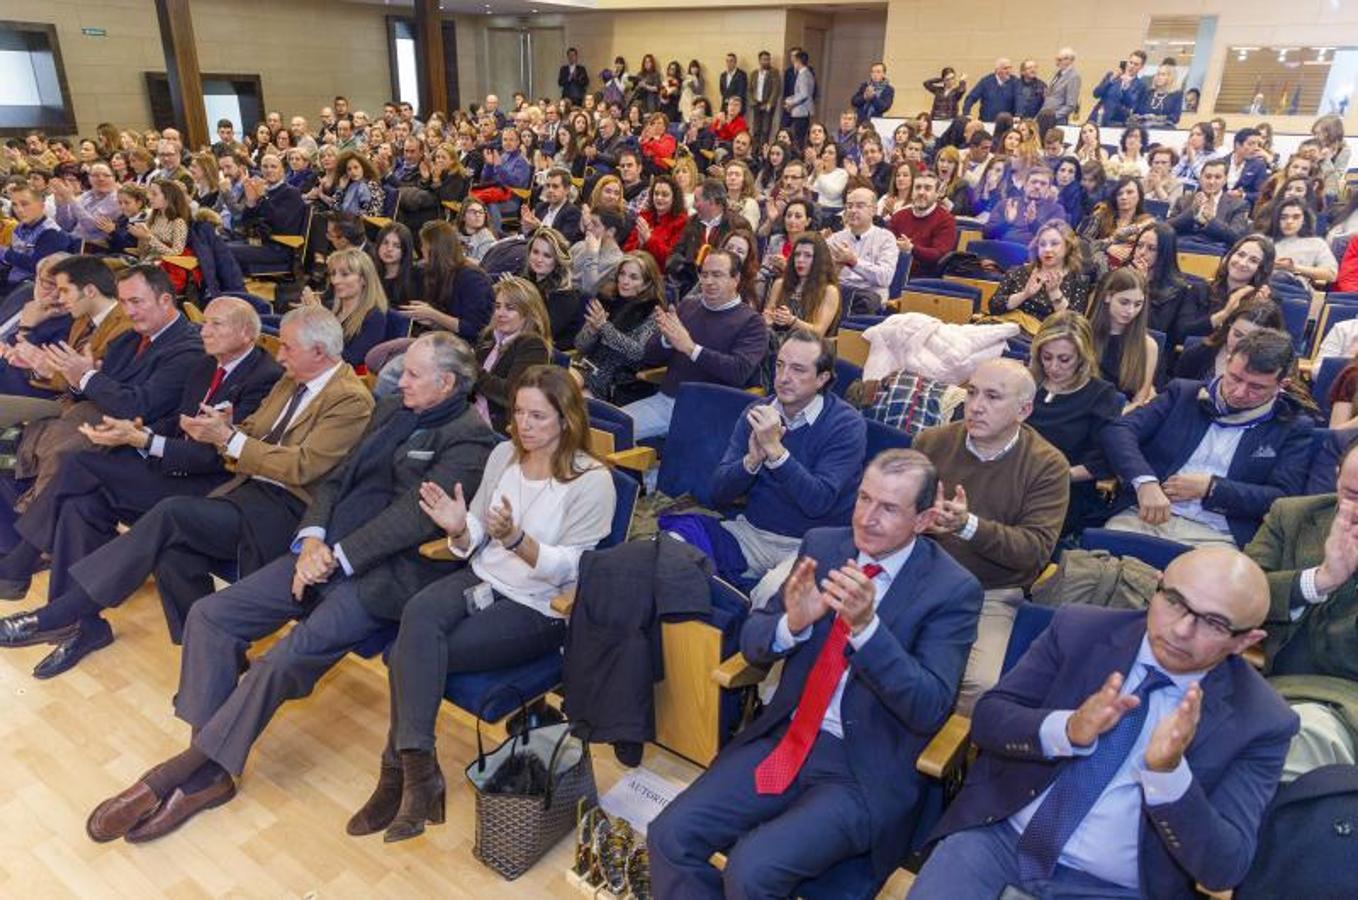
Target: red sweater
<point>662,148</point>
<point>664,234</point>
<point>1348,269</point>
<point>934,236</point>
<point>728,130</point>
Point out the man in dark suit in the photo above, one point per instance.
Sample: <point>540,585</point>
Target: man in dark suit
<point>1202,463</point>
<point>573,78</point>
<point>1246,170</point>
<point>272,207</point>
<point>357,564</point>
<point>31,313</point>
<point>554,208</point>
<point>872,659</point>
<point>139,465</point>
<point>1210,213</point>
<point>1308,547</point>
<point>302,429</point>
<point>141,374</point>
<point>732,82</point>
<point>1127,754</point>
<point>765,94</point>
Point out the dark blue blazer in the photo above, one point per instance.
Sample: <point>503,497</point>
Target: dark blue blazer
<point>244,388</point>
<point>1252,179</point>
<point>280,211</point>
<point>902,683</point>
<point>1158,438</point>
<point>1116,102</point>
<point>56,328</point>
<point>1208,835</point>
<point>15,381</point>
<point>146,387</point>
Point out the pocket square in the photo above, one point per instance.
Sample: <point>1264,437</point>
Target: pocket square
<point>1264,453</point>
<point>421,455</point>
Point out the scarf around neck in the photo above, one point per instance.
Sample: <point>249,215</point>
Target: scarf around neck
<point>1214,405</point>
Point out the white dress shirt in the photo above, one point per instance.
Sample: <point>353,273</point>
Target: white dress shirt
<point>1106,843</point>
<point>784,639</point>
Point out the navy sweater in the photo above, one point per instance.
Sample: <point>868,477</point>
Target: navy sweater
<point>734,342</point>
<point>814,488</point>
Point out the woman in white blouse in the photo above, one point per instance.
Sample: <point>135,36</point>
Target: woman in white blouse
<point>542,502</point>
<point>829,182</point>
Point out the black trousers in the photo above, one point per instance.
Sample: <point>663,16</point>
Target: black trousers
<point>439,637</point>
<point>80,510</point>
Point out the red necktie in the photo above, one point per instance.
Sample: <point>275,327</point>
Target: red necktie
<point>217,377</point>
<point>142,345</point>
<point>779,769</point>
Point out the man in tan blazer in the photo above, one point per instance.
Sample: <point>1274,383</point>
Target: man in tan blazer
<point>306,425</point>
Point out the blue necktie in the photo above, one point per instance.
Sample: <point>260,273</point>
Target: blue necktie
<point>1079,786</point>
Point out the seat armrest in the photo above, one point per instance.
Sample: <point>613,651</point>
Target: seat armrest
<point>1215,895</point>
<point>294,241</point>
<point>737,672</point>
<point>942,755</point>
<point>638,459</point>
<point>563,603</point>
<point>184,262</point>
<point>437,549</point>
<point>377,221</point>
<point>654,376</point>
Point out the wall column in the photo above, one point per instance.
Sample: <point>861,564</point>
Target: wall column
<point>181,65</point>
<point>429,57</point>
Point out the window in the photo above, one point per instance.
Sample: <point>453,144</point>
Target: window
<point>1288,80</point>
<point>239,98</point>
<point>33,90</point>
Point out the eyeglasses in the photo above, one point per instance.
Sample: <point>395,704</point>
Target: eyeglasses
<point>1219,626</point>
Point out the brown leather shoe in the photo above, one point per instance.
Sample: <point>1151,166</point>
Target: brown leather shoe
<point>179,807</point>
<point>118,815</point>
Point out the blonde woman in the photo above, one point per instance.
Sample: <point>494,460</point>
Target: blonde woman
<point>357,300</point>
<point>518,337</point>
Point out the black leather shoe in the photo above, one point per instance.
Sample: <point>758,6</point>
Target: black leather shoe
<point>13,588</point>
<point>85,640</point>
<point>22,630</point>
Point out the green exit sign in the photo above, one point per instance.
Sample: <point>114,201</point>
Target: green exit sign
<point>94,32</point>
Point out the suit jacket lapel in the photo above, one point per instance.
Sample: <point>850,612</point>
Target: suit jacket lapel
<point>1118,651</point>
<point>1216,703</point>
<point>313,409</point>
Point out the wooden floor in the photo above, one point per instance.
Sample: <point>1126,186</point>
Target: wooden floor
<point>72,741</point>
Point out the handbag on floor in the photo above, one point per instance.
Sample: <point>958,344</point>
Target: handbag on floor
<point>527,791</point>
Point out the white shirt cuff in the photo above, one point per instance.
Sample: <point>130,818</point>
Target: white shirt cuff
<point>1160,788</point>
<point>858,640</point>
<point>748,470</point>
<point>784,639</point>
<point>236,445</point>
<point>697,348</point>
<point>1143,479</point>
<point>969,530</point>
<point>475,531</point>
<point>1054,739</point>
<point>157,446</point>
<point>312,531</point>
<point>775,463</point>
<point>1308,586</point>
<point>84,380</point>
<point>342,559</point>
